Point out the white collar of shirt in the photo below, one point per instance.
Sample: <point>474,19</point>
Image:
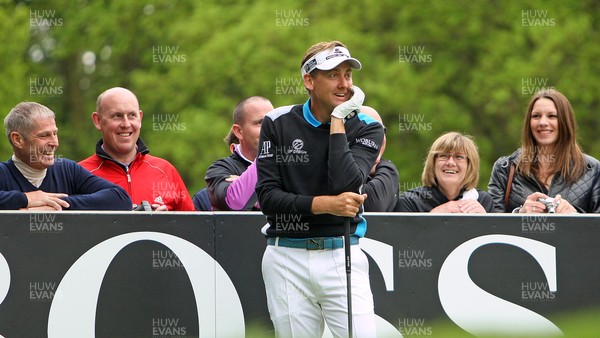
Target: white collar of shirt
<point>34,176</point>
<point>238,150</point>
<point>471,194</point>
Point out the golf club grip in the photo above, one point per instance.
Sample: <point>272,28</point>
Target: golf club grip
<point>348,272</point>
<point>347,243</point>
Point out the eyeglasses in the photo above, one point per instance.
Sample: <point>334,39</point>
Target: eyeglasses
<point>446,156</point>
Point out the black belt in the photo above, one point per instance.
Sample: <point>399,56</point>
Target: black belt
<point>315,243</point>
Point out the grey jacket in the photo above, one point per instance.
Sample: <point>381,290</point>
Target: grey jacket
<point>584,194</point>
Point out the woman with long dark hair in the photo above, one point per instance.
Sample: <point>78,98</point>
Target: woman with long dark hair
<point>549,172</point>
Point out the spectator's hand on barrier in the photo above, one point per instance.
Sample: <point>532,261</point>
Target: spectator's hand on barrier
<point>159,207</point>
<point>345,204</point>
<point>452,207</point>
<point>354,103</point>
<point>563,206</point>
<point>40,198</point>
<point>470,207</point>
<point>532,205</point>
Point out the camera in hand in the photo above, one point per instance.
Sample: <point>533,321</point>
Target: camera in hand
<point>549,203</point>
<point>144,206</point>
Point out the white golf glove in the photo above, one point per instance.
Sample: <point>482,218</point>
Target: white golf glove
<point>344,109</point>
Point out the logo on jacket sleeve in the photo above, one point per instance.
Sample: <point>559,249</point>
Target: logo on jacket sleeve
<point>265,150</point>
<point>367,142</point>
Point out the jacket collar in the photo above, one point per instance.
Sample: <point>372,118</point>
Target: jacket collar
<point>514,157</point>
<point>308,115</point>
<point>440,197</point>
<point>238,152</point>
<point>141,149</point>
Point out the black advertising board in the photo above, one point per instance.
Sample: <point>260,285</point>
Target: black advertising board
<point>198,274</point>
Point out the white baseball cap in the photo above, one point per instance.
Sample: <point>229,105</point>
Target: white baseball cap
<point>329,59</point>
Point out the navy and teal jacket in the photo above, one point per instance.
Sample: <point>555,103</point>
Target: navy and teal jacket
<point>298,159</point>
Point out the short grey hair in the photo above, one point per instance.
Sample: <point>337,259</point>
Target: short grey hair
<point>22,118</point>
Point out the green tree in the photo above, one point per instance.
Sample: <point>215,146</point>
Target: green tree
<point>429,67</point>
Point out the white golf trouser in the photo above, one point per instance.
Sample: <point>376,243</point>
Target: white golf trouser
<point>306,287</point>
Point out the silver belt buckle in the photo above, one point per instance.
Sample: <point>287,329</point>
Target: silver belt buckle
<point>315,243</point>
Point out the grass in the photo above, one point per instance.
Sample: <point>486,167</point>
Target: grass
<point>574,324</point>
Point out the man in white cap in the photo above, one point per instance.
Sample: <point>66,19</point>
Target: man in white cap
<point>313,160</point>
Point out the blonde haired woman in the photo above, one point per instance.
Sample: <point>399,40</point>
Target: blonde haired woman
<point>450,178</point>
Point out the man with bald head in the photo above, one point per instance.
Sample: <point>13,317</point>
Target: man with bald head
<point>382,185</point>
<point>122,157</point>
<point>231,181</point>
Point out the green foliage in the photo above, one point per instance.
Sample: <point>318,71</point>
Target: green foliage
<point>13,68</point>
<point>574,324</point>
<point>429,67</point>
